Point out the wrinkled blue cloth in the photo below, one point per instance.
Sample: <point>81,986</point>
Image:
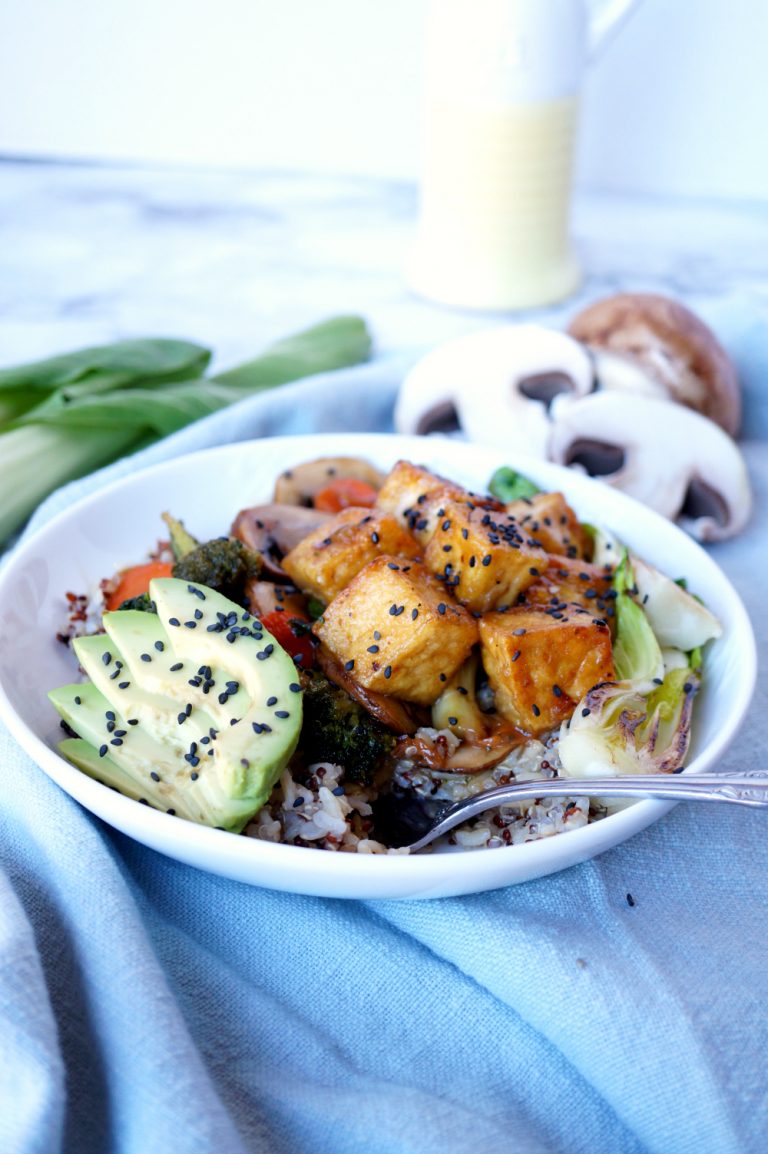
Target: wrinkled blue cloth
<point>619,1006</point>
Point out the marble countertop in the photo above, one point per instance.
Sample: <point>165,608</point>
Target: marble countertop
<point>89,254</point>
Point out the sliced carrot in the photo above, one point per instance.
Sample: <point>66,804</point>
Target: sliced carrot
<point>135,581</point>
<point>342,493</point>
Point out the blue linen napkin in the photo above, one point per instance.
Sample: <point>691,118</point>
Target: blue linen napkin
<point>618,1006</point>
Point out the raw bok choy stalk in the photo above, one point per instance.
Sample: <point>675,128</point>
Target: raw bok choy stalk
<point>640,723</point>
<point>63,417</point>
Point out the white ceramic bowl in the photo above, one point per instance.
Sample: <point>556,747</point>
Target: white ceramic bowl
<point>117,526</point>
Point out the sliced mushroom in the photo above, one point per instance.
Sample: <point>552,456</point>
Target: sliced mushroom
<point>645,341</point>
<point>437,753</point>
<point>299,484</point>
<point>273,530</point>
<point>396,715</point>
<point>266,597</point>
<point>665,455</point>
<point>496,386</point>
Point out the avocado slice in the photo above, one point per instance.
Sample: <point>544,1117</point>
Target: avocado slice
<point>195,709</point>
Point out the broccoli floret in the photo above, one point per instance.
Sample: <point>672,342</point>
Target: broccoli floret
<point>182,541</point>
<point>224,564</point>
<point>338,729</point>
<point>143,603</point>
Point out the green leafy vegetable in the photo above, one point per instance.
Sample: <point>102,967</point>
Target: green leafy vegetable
<point>65,416</point>
<point>507,485</point>
<point>99,370</point>
<point>636,652</point>
<point>616,729</point>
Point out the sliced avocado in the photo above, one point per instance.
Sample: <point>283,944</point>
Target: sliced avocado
<point>197,707</point>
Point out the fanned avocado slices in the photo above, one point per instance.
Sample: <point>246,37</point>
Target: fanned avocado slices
<point>194,709</point>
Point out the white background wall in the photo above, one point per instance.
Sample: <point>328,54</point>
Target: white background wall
<point>677,104</point>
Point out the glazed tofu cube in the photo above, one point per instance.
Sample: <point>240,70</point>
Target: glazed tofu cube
<point>482,556</point>
<point>414,496</point>
<point>327,560</point>
<point>539,667</point>
<point>565,583</point>
<point>397,632</point>
<point>550,520</point>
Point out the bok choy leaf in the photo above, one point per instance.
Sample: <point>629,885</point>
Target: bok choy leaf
<point>62,417</point>
<point>616,729</point>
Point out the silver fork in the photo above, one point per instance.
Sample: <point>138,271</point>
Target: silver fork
<point>738,788</point>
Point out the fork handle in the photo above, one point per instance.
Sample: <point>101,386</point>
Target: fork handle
<point>750,789</point>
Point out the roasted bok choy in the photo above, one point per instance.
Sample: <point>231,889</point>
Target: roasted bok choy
<point>641,722</point>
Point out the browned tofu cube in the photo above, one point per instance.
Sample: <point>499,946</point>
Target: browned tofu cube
<point>565,582</point>
<point>416,497</point>
<point>482,556</point>
<point>540,666</point>
<point>327,560</point>
<point>550,520</point>
<point>396,630</point>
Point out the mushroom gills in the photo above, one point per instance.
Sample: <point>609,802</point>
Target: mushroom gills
<point>597,458</point>
<point>544,387</point>
<point>701,500</point>
<point>441,418</point>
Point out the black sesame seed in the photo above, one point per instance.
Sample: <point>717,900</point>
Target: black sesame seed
<point>175,668</point>
<point>388,672</point>
<point>515,655</point>
<point>133,721</point>
<point>194,776</point>
<point>154,776</point>
<point>282,714</point>
<point>159,646</point>
<point>585,712</point>
<point>294,687</point>
<point>472,561</point>
<point>443,677</point>
<point>173,621</point>
<point>487,559</point>
<point>453,721</point>
<point>376,635</point>
<point>373,649</point>
<point>123,684</point>
<point>414,614</point>
<point>145,657</point>
<point>103,750</point>
<point>535,710</point>
<point>190,624</point>
<point>518,632</point>
<point>557,691</point>
<point>106,658</point>
<point>442,608</point>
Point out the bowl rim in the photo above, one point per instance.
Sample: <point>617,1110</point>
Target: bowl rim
<point>167,833</point>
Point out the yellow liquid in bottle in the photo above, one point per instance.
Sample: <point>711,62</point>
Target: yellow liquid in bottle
<point>495,194</point>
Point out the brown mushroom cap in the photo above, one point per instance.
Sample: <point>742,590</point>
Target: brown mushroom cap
<point>672,345</point>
